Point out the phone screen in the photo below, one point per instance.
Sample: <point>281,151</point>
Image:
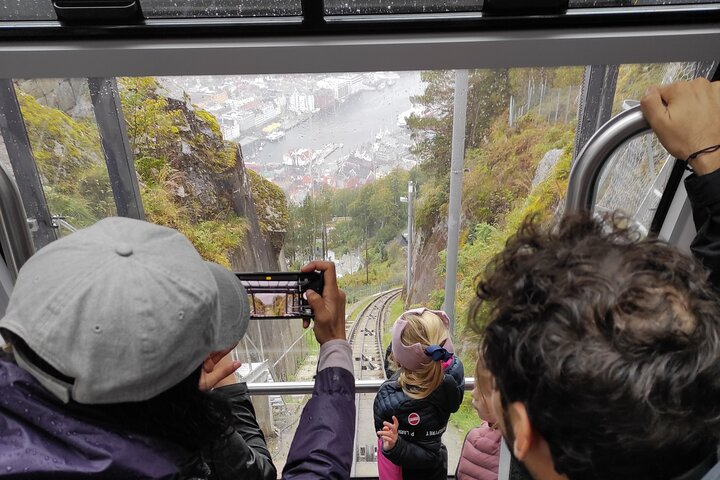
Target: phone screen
<point>275,298</point>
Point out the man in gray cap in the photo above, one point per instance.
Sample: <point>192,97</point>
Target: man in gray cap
<point>113,330</point>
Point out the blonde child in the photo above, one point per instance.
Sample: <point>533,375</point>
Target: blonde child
<point>413,407</point>
<point>480,455</point>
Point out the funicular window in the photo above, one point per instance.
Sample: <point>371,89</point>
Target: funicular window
<point>65,143</point>
<point>263,172</point>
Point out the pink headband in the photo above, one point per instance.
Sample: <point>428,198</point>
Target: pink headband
<point>413,356</point>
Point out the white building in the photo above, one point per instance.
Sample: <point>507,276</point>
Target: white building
<point>301,102</point>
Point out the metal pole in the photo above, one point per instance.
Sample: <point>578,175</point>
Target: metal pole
<point>17,143</point>
<point>512,109</point>
<point>596,102</point>
<point>411,194</point>
<point>456,172</point>
<point>116,146</point>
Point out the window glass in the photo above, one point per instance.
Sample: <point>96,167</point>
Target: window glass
<point>265,172</point>
<point>633,3</point>
<point>4,158</point>
<point>635,177</point>
<point>26,10</point>
<point>366,7</point>
<point>220,8</point>
<point>66,145</point>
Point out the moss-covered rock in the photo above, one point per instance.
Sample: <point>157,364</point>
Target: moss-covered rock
<point>271,207</point>
<point>70,161</point>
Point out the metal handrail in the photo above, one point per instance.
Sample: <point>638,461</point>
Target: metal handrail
<point>15,239</point>
<point>300,388</point>
<point>582,185</point>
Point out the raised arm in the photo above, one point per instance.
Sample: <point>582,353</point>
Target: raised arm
<point>323,443</point>
<point>686,119</point>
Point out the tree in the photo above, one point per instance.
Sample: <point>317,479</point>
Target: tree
<point>152,127</point>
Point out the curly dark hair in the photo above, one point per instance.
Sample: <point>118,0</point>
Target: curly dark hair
<point>612,342</point>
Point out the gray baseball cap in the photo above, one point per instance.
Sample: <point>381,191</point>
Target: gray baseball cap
<point>125,308</point>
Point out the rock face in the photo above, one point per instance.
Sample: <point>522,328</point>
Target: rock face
<point>426,252</point>
<point>198,178</point>
<point>546,166</point>
<point>70,95</point>
<point>209,187</point>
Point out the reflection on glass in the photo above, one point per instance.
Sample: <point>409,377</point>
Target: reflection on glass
<point>219,8</point>
<point>66,145</point>
<point>367,7</point>
<point>633,3</point>
<point>266,357</point>
<point>5,159</point>
<point>26,10</point>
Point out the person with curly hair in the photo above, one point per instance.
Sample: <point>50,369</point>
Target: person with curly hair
<point>604,347</point>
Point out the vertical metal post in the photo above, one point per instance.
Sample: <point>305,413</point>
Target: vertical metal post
<point>596,102</point>
<point>27,177</point>
<point>408,274</point>
<point>456,174</point>
<point>511,120</point>
<point>557,106</point>
<point>118,156</point>
<point>262,349</point>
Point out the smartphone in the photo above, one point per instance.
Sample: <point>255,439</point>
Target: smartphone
<point>280,294</point>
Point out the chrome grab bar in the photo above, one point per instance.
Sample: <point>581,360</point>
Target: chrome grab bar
<point>300,388</point>
<point>585,172</point>
<point>17,245</point>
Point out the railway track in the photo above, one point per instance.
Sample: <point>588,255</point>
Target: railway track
<point>365,337</point>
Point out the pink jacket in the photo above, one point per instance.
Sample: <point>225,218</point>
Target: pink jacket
<point>480,454</point>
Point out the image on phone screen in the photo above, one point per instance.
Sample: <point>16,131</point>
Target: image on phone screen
<point>275,295</point>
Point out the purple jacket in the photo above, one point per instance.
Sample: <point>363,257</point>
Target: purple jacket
<point>323,444</point>
<point>480,455</point>
<point>39,439</point>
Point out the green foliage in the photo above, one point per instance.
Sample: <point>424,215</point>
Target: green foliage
<point>270,204</point>
<point>397,307</point>
<point>215,239</point>
<point>347,220</point>
<point>70,161</point>
<point>466,418</point>
<point>210,120</point>
<point>149,168</point>
<point>634,80</point>
<point>502,171</point>
<point>432,203</point>
<point>152,127</point>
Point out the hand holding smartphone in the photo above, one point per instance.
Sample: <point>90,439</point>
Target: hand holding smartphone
<point>275,295</point>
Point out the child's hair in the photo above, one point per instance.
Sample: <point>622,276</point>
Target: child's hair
<point>426,329</point>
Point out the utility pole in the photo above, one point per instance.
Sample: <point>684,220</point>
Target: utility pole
<point>456,174</point>
<point>410,224</point>
<point>367,259</point>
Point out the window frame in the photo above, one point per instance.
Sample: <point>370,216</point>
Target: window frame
<point>355,53</point>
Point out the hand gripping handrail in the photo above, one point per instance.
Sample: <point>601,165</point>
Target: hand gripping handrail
<point>582,185</point>
<point>15,239</point>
